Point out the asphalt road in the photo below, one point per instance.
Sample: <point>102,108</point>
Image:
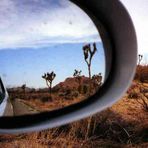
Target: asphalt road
<point>17,108</point>
<point>9,109</point>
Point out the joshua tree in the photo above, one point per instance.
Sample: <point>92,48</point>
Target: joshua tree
<point>49,77</point>
<point>77,75</point>
<point>140,57</point>
<point>88,55</point>
<point>23,87</point>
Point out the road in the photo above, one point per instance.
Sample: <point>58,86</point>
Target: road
<point>17,108</point>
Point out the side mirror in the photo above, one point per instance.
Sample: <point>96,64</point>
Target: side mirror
<point>119,42</point>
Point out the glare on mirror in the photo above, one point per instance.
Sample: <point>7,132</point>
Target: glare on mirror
<point>51,55</point>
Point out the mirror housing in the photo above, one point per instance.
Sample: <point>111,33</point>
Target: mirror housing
<point>121,55</point>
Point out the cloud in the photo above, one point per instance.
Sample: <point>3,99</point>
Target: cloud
<point>32,23</point>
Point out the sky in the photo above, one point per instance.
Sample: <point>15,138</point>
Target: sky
<point>32,32</point>
<point>138,10</point>
<point>39,36</point>
<point>26,66</point>
<point>34,23</point>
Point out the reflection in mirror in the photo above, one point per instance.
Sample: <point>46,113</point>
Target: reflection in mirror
<point>51,55</point>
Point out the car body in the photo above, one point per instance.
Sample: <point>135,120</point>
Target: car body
<point>6,108</point>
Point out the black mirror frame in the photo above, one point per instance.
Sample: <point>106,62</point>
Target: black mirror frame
<point>3,91</point>
<point>121,56</point>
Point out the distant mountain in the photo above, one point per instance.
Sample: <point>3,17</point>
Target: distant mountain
<point>72,83</point>
<point>20,90</point>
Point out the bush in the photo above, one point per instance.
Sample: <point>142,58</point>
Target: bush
<point>142,73</point>
<point>134,95</point>
<point>144,103</point>
<point>134,91</point>
<point>85,89</point>
<point>80,89</point>
<point>61,94</point>
<point>46,99</point>
<point>68,92</point>
<point>75,94</point>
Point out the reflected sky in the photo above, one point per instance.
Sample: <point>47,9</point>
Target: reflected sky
<point>38,36</point>
<point>38,23</point>
<point>26,66</point>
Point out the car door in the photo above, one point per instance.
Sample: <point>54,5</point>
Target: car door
<point>2,92</point>
<point>6,108</point>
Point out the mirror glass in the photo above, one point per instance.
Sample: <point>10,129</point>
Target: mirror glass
<point>51,55</point>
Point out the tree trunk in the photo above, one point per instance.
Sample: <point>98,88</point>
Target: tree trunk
<point>50,88</point>
<point>90,118</point>
<point>89,71</point>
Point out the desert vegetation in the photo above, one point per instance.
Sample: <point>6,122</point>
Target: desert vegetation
<point>125,124</point>
<point>72,90</point>
<point>23,87</point>
<point>49,77</point>
<point>139,88</point>
<point>88,56</point>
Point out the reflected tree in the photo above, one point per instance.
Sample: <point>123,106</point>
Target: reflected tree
<point>49,77</point>
<point>23,87</point>
<point>88,55</point>
<point>77,75</point>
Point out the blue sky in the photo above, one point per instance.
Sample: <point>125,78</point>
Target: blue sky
<point>38,36</point>
<point>28,65</point>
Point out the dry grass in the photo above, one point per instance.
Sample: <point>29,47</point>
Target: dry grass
<point>142,73</point>
<point>45,102</point>
<point>125,124</point>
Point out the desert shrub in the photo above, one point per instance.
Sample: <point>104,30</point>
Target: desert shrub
<point>144,90</point>
<point>133,94</point>
<point>75,94</point>
<point>32,90</point>
<point>85,89</point>
<point>139,92</point>
<point>68,97</point>
<point>144,103</point>
<point>141,134</point>
<point>46,98</point>
<point>68,92</point>
<point>134,91</point>
<point>142,73</point>
<point>61,94</point>
<point>80,89</point>
<point>43,90</point>
<point>143,100</point>
<point>55,90</point>
<point>108,125</point>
